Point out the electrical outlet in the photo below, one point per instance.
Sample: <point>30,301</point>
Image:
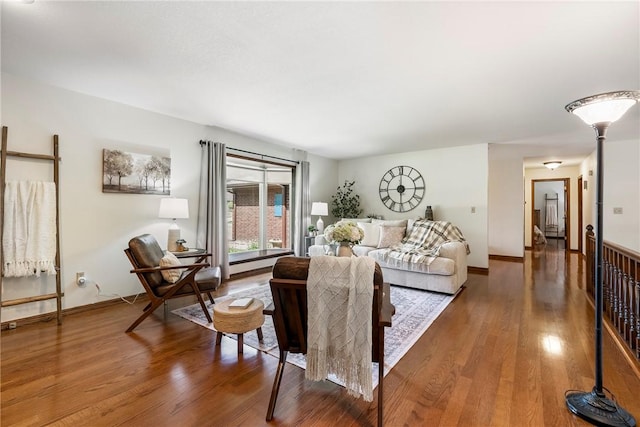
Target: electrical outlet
<point>81,280</point>
<point>13,325</point>
<point>473,209</point>
<point>617,211</point>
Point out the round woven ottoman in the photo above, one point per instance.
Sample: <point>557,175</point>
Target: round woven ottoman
<point>237,320</point>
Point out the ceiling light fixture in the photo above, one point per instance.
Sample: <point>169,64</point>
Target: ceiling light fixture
<point>599,111</point>
<point>552,165</point>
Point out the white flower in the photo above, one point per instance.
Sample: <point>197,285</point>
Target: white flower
<point>344,231</point>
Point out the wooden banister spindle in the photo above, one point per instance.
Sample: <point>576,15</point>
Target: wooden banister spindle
<point>621,289</point>
<point>625,297</point>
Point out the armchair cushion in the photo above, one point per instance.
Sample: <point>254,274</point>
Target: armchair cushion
<point>147,253</point>
<point>170,260</point>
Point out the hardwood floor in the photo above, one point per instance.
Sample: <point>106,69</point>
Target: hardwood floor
<point>502,354</point>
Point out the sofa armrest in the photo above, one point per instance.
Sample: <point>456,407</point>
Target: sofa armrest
<point>457,251</point>
<point>320,240</point>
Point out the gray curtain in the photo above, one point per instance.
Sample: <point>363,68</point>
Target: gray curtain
<point>212,205</point>
<point>301,206</point>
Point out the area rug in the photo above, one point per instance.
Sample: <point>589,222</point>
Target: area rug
<point>415,312</point>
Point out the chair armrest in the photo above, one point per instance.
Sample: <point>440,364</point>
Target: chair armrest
<point>387,310</point>
<point>270,309</point>
<point>202,257</point>
<point>172,267</point>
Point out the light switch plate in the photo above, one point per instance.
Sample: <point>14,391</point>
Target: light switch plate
<point>617,211</point>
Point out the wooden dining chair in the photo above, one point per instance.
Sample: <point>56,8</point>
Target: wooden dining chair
<point>145,254</point>
<point>289,311</point>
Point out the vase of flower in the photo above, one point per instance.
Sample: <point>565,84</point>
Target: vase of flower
<point>344,249</point>
<point>345,234</point>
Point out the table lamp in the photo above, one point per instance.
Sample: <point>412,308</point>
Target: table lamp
<point>173,208</point>
<point>321,209</point>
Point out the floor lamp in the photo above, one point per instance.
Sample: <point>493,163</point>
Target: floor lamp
<point>599,111</point>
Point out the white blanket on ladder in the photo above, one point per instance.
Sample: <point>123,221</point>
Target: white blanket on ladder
<point>339,301</point>
<point>29,239</point>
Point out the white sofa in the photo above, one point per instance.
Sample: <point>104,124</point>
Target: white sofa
<point>446,274</point>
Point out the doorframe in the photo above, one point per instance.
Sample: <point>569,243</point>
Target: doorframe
<point>580,213</point>
<point>567,203</point>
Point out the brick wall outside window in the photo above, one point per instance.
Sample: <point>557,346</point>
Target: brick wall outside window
<point>247,213</point>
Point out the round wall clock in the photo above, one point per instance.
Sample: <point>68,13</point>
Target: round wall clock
<point>401,188</point>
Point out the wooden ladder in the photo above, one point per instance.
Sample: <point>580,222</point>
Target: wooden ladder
<point>55,158</point>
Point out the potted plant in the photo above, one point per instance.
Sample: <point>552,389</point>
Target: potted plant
<point>312,230</point>
<point>345,204</point>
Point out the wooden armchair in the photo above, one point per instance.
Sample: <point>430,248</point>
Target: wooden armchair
<point>289,311</point>
<point>145,255</point>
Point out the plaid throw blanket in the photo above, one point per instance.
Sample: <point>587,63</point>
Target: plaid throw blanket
<point>424,242</point>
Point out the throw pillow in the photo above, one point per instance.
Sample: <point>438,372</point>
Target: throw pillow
<point>371,234</point>
<point>390,236</point>
<point>170,260</point>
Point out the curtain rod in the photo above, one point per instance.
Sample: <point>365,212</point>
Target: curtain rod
<point>258,155</point>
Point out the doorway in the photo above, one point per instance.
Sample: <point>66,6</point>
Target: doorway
<point>550,219</point>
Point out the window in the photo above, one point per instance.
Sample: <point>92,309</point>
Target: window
<point>258,204</point>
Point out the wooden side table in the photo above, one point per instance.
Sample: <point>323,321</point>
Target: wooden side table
<point>188,253</point>
<point>238,320</point>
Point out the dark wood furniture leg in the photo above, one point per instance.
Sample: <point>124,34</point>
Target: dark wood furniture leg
<point>276,384</point>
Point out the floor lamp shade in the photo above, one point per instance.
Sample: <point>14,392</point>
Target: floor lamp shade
<point>175,209</point>
<point>599,111</point>
<point>321,209</point>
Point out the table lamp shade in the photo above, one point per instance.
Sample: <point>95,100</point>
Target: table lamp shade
<point>174,209</point>
<point>321,209</point>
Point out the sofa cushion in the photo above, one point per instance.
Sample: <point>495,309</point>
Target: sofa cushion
<point>357,219</point>
<point>371,234</point>
<point>440,265</point>
<point>360,250</point>
<point>390,236</point>
<point>391,222</point>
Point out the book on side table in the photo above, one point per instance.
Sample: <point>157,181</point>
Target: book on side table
<point>241,303</point>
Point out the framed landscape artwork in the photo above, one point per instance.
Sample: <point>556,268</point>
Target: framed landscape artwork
<point>135,173</point>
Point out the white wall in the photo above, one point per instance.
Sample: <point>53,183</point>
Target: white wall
<point>456,180</point>
<point>96,226</point>
<point>621,190</point>
<point>506,200</point>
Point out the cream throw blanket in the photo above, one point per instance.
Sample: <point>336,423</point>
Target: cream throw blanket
<point>29,239</point>
<point>339,299</point>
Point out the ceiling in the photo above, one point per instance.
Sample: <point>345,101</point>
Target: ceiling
<point>343,79</point>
